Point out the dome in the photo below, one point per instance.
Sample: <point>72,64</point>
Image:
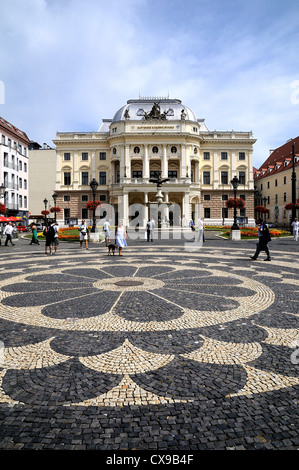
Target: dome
<point>154,108</point>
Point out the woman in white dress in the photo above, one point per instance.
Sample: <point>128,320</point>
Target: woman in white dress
<point>120,237</point>
<point>83,234</point>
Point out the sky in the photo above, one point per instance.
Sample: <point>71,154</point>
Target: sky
<point>67,64</point>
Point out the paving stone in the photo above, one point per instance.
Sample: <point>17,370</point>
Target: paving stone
<point>166,348</point>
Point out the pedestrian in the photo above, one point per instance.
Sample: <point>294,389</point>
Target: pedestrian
<point>55,240</point>
<point>8,232</point>
<point>201,229</point>
<point>295,225</point>
<point>120,237</point>
<point>34,238</point>
<point>149,230</point>
<point>264,238</point>
<point>83,234</point>
<point>106,229</point>
<point>48,236</point>
<point>191,225</point>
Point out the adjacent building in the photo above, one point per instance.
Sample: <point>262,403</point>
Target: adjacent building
<point>14,169</point>
<point>146,136</point>
<point>273,182</point>
<point>42,175</point>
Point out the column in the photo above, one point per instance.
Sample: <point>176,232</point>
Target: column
<point>215,168</point>
<point>76,173</point>
<point>127,162</point>
<point>145,172</point>
<point>146,212</point>
<point>164,162</point>
<point>183,161</point>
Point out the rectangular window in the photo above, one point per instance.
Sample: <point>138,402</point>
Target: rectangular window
<point>136,174</point>
<point>118,176</point>
<point>223,155</point>
<point>284,197</point>
<point>20,183</point>
<point>241,155</point>
<point>20,201</point>
<point>102,155</point>
<point>206,177</point>
<point>242,177</point>
<point>66,157</point>
<point>172,174</point>
<point>102,178</point>
<point>84,178</point>
<point>20,165</point>
<point>207,197</point>
<point>84,213</point>
<point>224,197</point>
<point>103,197</point>
<point>284,180</point>
<point>67,178</point>
<point>66,198</point>
<point>207,213</point>
<point>206,155</point>
<point>85,156</point>
<point>3,139</point>
<point>224,213</point>
<point>25,202</point>
<point>243,196</point>
<point>275,182</point>
<point>268,184</point>
<point>25,184</point>
<point>25,167</point>
<point>224,177</point>
<point>84,198</point>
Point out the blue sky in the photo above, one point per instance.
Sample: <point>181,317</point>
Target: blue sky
<point>68,64</point>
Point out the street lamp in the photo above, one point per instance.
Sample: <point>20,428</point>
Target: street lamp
<point>94,184</point>
<point>45,201</point>
<point>293,184</point>
<point>55,196</point>
<point>235,183</point>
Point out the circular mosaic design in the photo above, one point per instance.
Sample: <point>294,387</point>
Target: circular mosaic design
<point>137,333</point>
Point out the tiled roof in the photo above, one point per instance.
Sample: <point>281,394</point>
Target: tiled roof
<point>279,160</point>
<point>19,135</point>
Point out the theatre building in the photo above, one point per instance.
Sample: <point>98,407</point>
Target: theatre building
<point>146,136</point>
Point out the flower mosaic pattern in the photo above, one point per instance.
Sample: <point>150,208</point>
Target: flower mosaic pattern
<point>102,334</point>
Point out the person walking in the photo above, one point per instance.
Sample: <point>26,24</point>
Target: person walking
<point>295,225</point>
<point>120,237</point>
<point>201,229</point>
<point>106,229</point>
<point>264,238</point>
<point>149,230</point>
<point>48,236</point>
<point>8,232</point>
<point>83,234</point>
<point>34,238</point>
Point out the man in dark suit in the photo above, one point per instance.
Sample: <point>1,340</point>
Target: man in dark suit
<point>264,239</point>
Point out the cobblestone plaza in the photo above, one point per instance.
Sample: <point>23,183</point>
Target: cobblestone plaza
<point>169,347</point>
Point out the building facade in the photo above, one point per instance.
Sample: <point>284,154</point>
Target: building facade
<point>146,136</point>
<point>14,169</point>
<point>42,173</point>
<point>273,182</point>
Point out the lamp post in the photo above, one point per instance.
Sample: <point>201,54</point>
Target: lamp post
<point>293,184</point>
<point>235,183</point>
<point>45,201</point>
<point>94,184</point>
<point>54,196</point>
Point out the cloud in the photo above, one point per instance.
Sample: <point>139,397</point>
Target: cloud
<point>69,63</point>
